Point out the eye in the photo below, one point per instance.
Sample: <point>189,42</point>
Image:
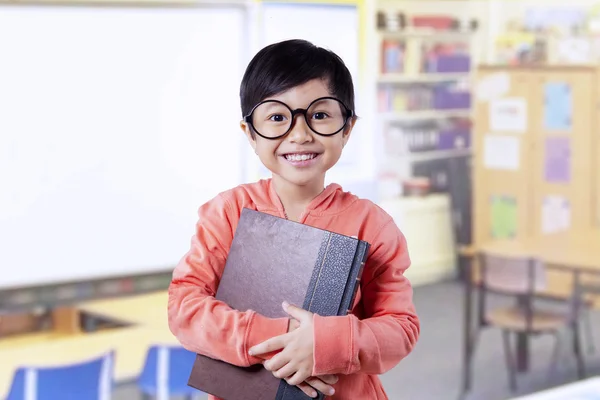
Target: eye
<point>276,118</point>
<point>320,115</point>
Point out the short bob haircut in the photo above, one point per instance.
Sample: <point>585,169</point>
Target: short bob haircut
<point>285,65</point>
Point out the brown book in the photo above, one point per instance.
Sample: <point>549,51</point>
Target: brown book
<point>272,260</point>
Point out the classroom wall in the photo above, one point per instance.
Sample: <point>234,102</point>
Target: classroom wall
<point>114,137</point>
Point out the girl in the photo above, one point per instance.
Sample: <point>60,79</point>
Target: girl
<point>297,104</point>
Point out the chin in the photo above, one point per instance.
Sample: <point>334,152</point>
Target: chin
<point>299,181</point>
<point>301,178</point>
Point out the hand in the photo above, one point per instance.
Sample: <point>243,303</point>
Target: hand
<point>293,324</point>
<point>320,383</point>
<point>294,362</point>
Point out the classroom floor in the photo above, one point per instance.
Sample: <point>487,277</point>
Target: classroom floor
<point>433,370</point>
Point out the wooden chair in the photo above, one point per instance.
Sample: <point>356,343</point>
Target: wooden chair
<point>523,279</point>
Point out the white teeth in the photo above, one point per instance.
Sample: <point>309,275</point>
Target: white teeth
<point>299,157</point>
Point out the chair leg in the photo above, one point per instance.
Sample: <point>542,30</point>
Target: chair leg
<point>554,358</point>
<point>470,336</point>
<point>588,329</point>
<point>577,350</point>
<point>510,362</point>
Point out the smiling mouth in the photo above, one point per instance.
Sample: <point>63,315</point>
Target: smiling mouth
<point>300,157</point>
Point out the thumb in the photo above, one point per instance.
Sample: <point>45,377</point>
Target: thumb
<point>295,312</point>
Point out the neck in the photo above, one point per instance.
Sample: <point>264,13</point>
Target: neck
<point>294,197</point>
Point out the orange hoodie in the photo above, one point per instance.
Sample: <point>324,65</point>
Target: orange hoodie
<point>382,329</point>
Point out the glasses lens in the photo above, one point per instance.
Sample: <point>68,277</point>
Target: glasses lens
<point>326,116</point>
<point>272,119</point>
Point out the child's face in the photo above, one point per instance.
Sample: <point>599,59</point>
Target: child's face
<point>281,156</point>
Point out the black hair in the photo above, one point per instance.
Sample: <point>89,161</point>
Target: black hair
<point>290,63</point>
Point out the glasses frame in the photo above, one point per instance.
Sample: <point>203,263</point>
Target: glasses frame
<point>299,111</point>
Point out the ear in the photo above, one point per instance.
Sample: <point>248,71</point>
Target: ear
<point>348,131</point>
<point>247,131</point>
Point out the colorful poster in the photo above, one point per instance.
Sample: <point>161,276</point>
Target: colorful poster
<point>501,152</point>
<point>558,106</point>
<point>556,214</point>
<point>508,115</point>
<point>557,163</point>
<point>504,217</point>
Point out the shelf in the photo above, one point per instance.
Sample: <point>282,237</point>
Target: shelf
<point>399,116</point>
<point>438,154</point>
<point>430,34</point>
<point>422,78</point>
<point>394,161</point>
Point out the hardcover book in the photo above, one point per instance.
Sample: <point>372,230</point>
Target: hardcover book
<point>272,260</point>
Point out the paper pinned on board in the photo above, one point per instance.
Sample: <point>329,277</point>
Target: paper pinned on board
<point>501,152</point>
<point>558,106</point>
<point>556,214</point>
<point>504,217</point>
<point>493,86</point>
<point>557,160</point>
<point>508,115</point>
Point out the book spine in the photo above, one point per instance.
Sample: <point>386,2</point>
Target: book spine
<point>335,251</point>
<point>354,278</point>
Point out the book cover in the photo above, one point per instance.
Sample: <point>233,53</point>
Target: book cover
<point>272,260</point>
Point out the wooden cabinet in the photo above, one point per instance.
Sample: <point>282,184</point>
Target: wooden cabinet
<point>536,151</point>
<point>537,154</point>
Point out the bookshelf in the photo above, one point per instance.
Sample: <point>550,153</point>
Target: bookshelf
<point>423,96</point>
<point>424,106</point>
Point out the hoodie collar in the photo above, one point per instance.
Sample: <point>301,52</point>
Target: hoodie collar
<point>320,204</point>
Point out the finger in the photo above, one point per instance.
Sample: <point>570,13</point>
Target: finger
<point>329,379</point>
<point>278,361</point>
<point>321,386</point>
<point>293,325</point>
<point>296,312</point>
<point>297,378</point>
<point>285,372</point>
<point>268,346</point>
<point>309,391</point>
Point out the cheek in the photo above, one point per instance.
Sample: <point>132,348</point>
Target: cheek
<point>266,148</point>
<point>336,146</point>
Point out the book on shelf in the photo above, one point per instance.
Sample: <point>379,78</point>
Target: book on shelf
<point>272,260</point>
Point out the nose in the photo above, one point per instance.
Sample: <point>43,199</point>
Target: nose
<point>300,132</point>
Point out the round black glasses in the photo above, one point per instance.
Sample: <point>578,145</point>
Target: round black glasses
<point>273,119</point>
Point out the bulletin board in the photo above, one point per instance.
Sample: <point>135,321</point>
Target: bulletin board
<point>503,145</point>
<point>563,153</point>
<point>537,154</point>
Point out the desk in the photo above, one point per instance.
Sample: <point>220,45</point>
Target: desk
<point>588,389</point>
<point>576,252</point>
<point>147,312</point>
<point>573,250</point>
<point>130,345</point>
<point>146,309</point>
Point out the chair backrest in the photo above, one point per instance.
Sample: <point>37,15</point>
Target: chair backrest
<point>91,379</point>
<point>166,372</point>
<point>512,276</point>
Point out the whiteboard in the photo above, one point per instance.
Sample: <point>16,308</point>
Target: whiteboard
<point>117,123</point>
<point>334,27</point>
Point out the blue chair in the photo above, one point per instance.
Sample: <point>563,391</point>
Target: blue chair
<point>91,380</point>
<point>166,372</point>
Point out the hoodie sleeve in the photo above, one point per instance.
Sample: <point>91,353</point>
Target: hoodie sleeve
<point>201,323</point>
<point>374,345</point>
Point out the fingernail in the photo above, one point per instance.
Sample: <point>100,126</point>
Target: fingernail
<point>251,352</point>
<point>286,304</point>
<point>313,394</point>
<point>331,392</point>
